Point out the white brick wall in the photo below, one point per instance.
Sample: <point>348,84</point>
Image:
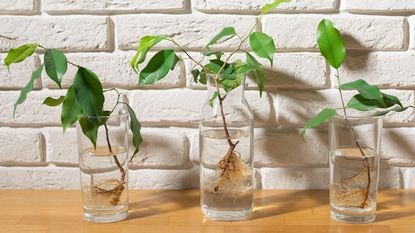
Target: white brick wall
<point>102,35</point>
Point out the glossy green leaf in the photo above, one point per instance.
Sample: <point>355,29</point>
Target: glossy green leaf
<point>71,109</point>
<point>216,64</point>
<point>90,127</point>
<point>18,54</point>
<point>331,43</point>
<point>230,81</point>
<point>257,73</point>
<point>226,32</point>
<point>212,99</point>
<point>203,77</point>
<point>270,6</point>
<point>159,66</point>
<point>135,128</point>
<point>88,92</point>
<point>195,74</point>
<point>366,90</point>
<point>52,102</point>
<point>263,45</point>
<point>319,119</point>
<point>28,88</point>
<point>55,65</point>
<point>361,103</point>
<point>146,43</point>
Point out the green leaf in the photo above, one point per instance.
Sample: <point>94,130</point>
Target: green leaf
<point>55,65</point>
<point>203,78</point>
<point>366,90</point>
<point>320,118</point>
<point>271,6</point>
<point>158,67</point>
<point>71,109</point>
<point>208,53</point>
<point>361,103</point>
<point>28,88</point>
<point>52,102</point>
<point>216,64</point>
<point>90,127</point>
<point>195,74</point>
<point>135,128</point>
<point>230,82</point>
<point>146,43</point>
<point>88,92</point>
<point>228,31</point>
<point>257,73</point>
<point>331,43</point>
<point>18,54</point>
<point>263,45</point>
<point>212,99</point>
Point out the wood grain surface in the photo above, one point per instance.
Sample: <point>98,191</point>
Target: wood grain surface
<point>276,211</point>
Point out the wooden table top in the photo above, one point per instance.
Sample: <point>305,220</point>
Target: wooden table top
<point>288,211</point>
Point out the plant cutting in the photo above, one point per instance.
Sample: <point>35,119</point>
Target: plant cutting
<point>84,104</point>
<point>226,183</point>
<point>355,130</point>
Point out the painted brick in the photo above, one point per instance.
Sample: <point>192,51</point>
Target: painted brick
<point>286,149</point>
<point>173,107</point>
<point>61,148</point>
<point>117,6</point>
<point>388,70</point>
<point>362,32</point>
<point>39,178</point>
<point>397,147</point>
<point>79,33</point>
<point>162,149</point>
<point>32,112</point>
<point>19,74</point>
<point>409,177</point>
<point>251,6</point>
<point>19,7</point>
<point>114,70</point>
<point>189,31</point>
<point>20,145</point>
<point>164,179</point>
<point>299,178</point>
<point>385,6</point>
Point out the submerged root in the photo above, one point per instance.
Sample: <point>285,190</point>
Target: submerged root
<point>233,175</point>
<point>114,193</point>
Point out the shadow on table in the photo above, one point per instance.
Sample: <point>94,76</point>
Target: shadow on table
<point>393,207</point>
<point>161,202</point>
<point>288,201</point>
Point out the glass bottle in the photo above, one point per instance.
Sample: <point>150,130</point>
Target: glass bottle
<point>226,154</point>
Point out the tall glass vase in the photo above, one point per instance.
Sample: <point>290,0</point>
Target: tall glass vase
<point>355,148</point>
<point>104,169</point>
<point>226,155</point>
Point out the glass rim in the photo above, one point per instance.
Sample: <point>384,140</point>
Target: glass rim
<point>354,117</point>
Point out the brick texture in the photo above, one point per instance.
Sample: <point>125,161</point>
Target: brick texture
<point>102,35</point>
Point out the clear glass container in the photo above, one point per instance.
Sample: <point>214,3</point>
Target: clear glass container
<point>226,171</point>
<point>104,170</point>
<point>354,167</point>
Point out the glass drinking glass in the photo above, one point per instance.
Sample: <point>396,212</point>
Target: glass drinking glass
<point>104,169</point>
<point>354,167</point>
